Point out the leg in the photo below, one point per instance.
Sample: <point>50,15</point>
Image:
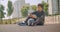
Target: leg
<point>30,22</point>
<point>27,20</point>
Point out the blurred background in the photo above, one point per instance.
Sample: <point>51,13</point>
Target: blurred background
<point>13,11</point>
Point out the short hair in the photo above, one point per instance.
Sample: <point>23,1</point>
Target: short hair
<point>40,5</point>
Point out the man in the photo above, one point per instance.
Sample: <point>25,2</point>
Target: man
<point>37,17</point>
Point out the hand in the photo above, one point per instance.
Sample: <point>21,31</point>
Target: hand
<point>34,16</point>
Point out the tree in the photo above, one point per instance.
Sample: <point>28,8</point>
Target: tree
<point>24,11</point>
<point>34,7</point>
<point>1,12</point>
<point>10,8</point>
<point>45,5</point>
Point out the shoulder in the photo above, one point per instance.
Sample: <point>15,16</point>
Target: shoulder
<point>43,13</point>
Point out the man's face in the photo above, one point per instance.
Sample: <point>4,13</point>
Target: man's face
<point>39,8</point>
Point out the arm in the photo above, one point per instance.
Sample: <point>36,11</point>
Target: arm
<point>32,15</point>
<point>40,19</point>
<point>29,16</point>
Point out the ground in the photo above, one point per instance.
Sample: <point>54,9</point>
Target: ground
<point>17,28</point>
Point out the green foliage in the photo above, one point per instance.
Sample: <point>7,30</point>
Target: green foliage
<point>34,7</point>
<point>9,21</point>
<point>24,11</point>
<point>10,8</point>
<point>1,11</point>
<point>45,7</point>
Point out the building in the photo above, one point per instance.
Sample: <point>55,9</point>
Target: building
<point>54,6</point>
<point>17,7</point>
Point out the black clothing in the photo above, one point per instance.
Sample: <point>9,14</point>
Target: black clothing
<point>38,14</point>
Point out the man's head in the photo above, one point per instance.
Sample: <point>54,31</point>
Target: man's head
<point>39,7</point>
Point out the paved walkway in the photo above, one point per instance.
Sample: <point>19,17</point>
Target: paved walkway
<point>17,28</point>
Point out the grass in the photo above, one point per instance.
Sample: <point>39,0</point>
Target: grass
<point>9,21</point>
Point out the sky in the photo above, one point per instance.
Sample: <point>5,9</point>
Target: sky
<point>34,2</point>
<point>31,2</point>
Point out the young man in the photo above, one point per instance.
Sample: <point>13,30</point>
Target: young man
<point>37,17</point>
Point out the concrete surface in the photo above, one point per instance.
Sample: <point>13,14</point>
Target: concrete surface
<point>17,28</point>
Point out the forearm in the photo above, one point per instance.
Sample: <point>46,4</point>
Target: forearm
<point>39,20</point>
